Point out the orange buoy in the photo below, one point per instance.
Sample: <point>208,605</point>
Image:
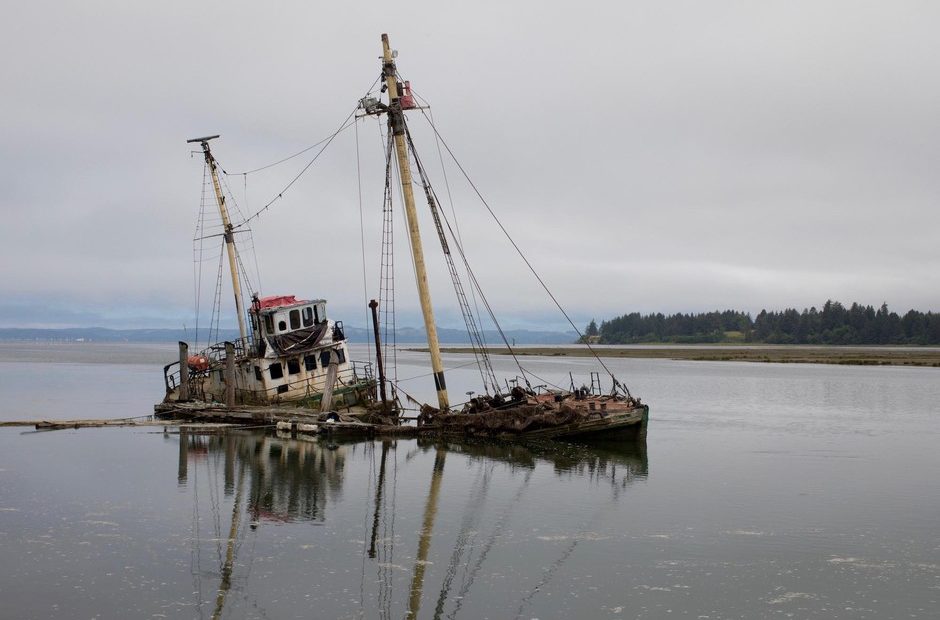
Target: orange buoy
<point>198,363</point>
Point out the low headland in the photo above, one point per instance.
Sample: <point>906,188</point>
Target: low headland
<point>795,354</point>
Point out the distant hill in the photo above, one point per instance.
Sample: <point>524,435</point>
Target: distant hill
<point>410,335</point>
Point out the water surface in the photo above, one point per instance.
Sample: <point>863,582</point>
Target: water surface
<point>763,491</point>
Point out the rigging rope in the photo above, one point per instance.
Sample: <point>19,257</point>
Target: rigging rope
<point>323,144</point>
<point>518,249</point>
<point>486,304</point>
<point>476,341</point>
<point>346,124</point>
<point>197,262</point>
<point>298,153</point>
<point>362,241</point>
<point>453,212</point>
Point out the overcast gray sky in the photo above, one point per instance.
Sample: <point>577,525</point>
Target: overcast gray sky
<point>647,156</point>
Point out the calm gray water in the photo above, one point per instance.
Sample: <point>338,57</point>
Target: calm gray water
<point>763,491</point>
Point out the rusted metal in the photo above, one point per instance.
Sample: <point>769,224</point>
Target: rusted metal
<point>374,305</point>
<point>184,372</point>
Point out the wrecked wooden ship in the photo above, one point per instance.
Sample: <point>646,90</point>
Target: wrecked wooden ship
<point>293,357</point>
<point>290,353</point>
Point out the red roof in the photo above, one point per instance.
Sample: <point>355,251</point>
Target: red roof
<point>276,301</point>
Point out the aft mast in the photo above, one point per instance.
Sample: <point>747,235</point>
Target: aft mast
<point>229,236</point>
<point>397,122</point>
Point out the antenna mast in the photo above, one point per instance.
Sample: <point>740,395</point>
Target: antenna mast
<point>229,235</point>
<point>396,119</point>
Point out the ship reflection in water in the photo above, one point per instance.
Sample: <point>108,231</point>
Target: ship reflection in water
<point>393,525</point>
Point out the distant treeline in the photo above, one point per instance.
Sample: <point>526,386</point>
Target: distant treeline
<point>833,324</point>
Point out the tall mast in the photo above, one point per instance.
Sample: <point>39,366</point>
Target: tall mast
<point>229,236</point>
<point>397,121</point>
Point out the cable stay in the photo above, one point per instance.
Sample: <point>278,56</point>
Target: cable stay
<point>476,340</point>
<point>297,154</point>
<point>520,252</point>
<point>475,285</point>
<point>348,122</point>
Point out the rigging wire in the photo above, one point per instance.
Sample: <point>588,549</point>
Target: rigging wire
<point>476,342</point>
<point>518,249</point>
<point>216,304</point>
<point>449,368</point>
<point>489,309</point>
<point>298,153</point>
<point>197,262</point>
<point>347,123</point>
<point>453,212</point>
<point>362,241</point>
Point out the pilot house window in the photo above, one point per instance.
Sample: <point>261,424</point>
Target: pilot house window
<point>307,314</point>
<point>295,319</point>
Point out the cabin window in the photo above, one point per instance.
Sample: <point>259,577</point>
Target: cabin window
<point>325,359</point>
<point>282,326</point>
<point>310,362</point>
<point>276,370</point>
<point>307,316</point>
<point>269,324</point>
<point>340,356</point>
<point>281,389</point>
<point>258,373</point>
<point>295,319</point>
<point>293,367</point>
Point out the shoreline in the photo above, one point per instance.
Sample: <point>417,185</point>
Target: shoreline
<point>780,354</point>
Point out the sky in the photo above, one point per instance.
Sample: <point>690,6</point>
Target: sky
<point>646,156</point>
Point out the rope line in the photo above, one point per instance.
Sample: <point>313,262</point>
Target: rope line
<point>516,246</point>
<point>297,154</point>
<point>346,124</point>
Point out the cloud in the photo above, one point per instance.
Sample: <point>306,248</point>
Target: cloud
<point>671,156</point>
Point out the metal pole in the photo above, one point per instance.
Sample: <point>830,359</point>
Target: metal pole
<point>397,121</point>
<point>184,371</point>
<point>378,351</point>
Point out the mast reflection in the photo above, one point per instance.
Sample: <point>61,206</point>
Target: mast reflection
<point>271,478</point>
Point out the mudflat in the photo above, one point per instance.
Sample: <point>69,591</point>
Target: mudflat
<point>797,354</point>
